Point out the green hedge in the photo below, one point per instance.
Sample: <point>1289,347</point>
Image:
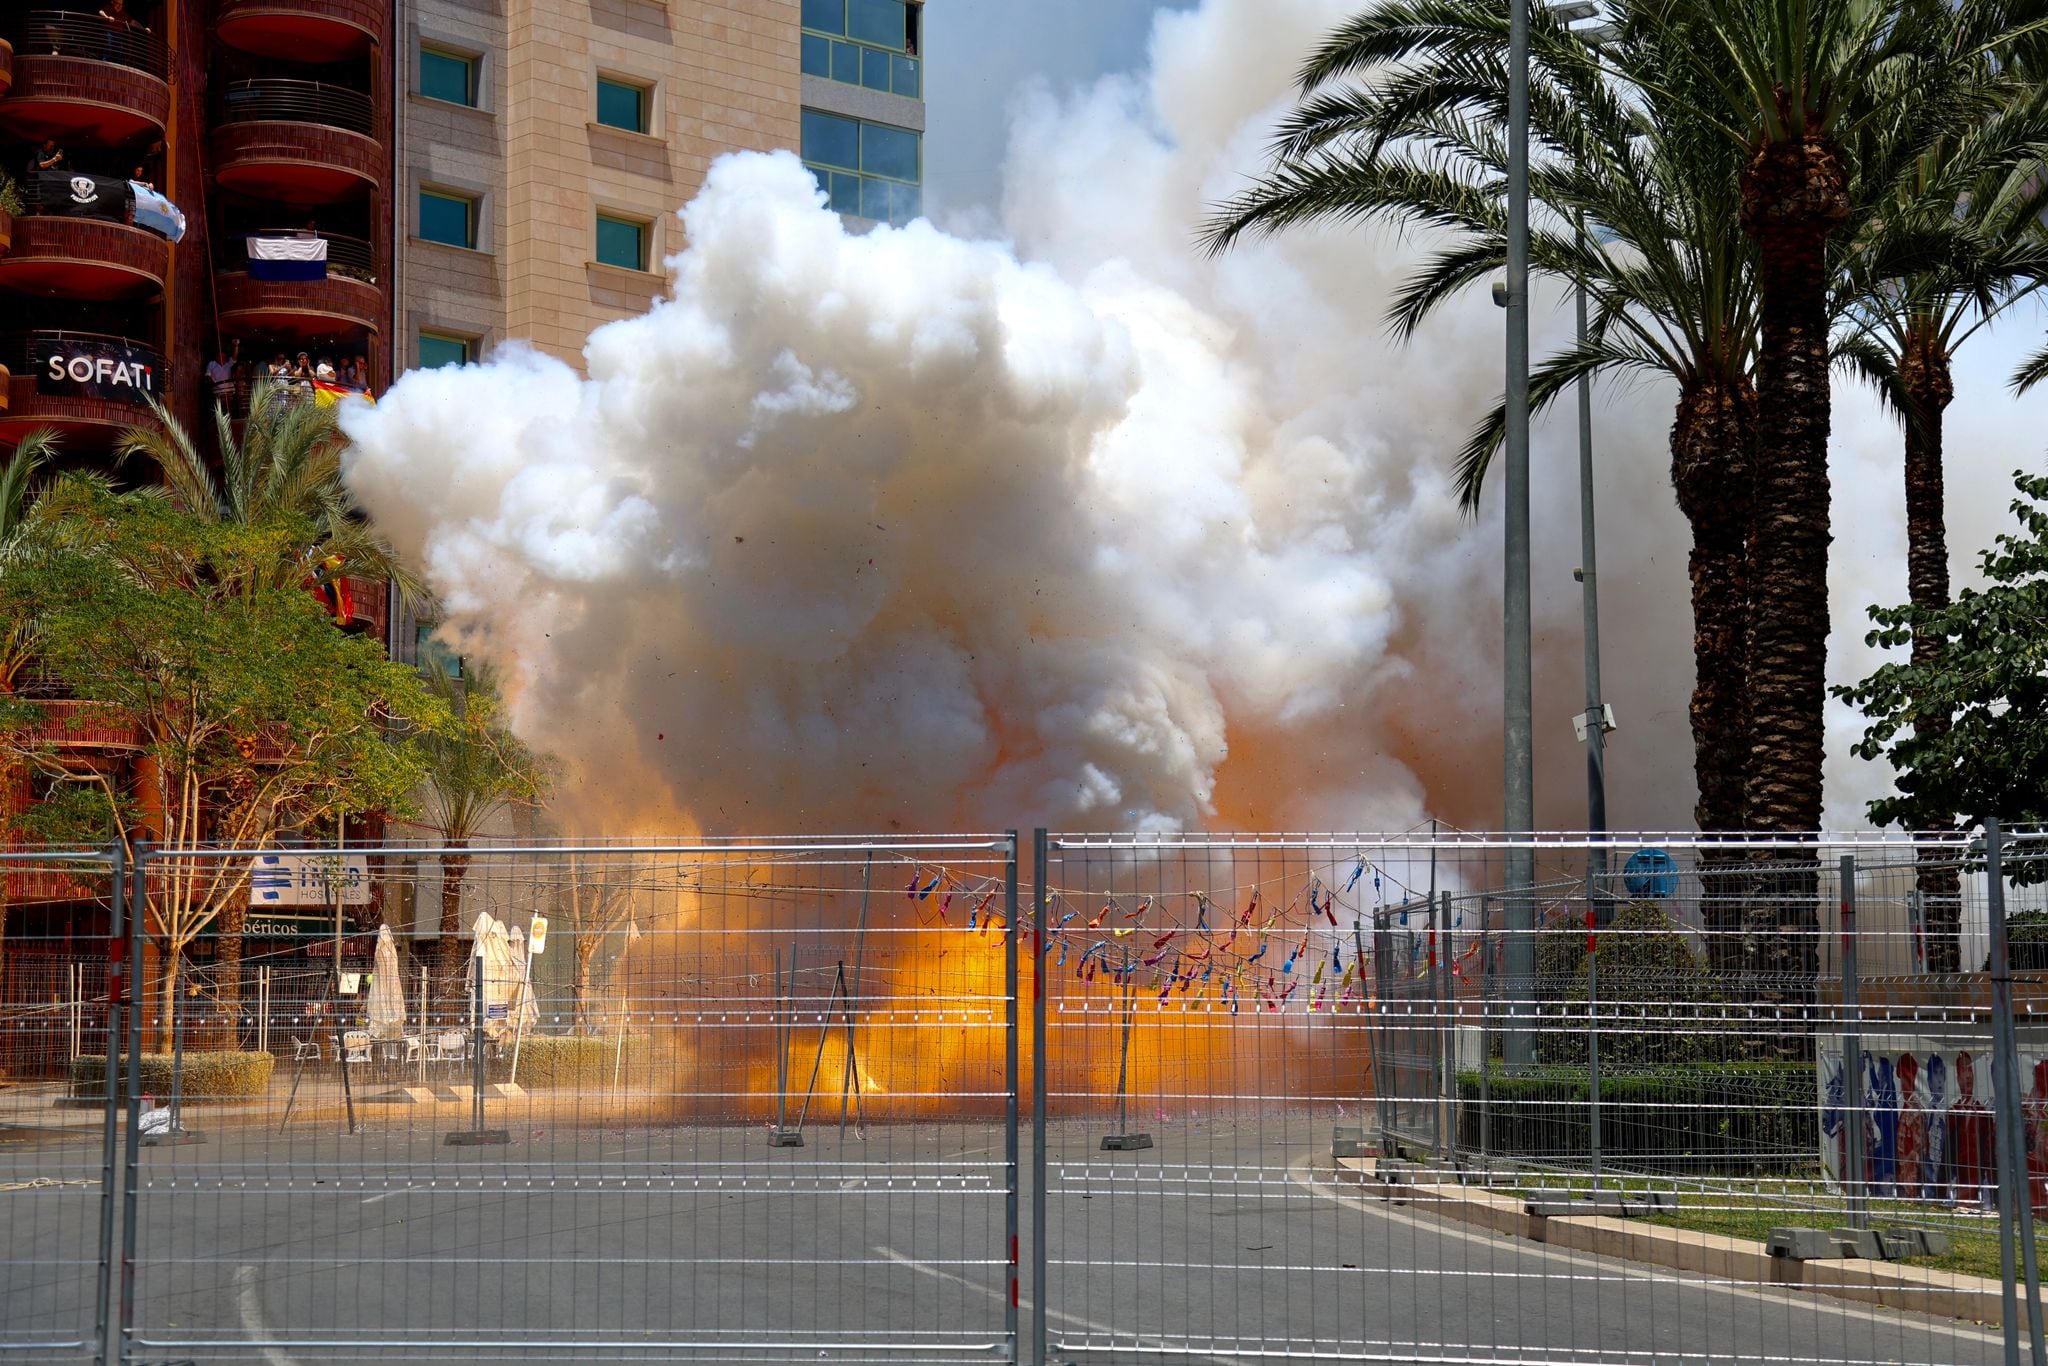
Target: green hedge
<point>578,1060</point>
<point>206,1074</point>
<point>1729,1117</point>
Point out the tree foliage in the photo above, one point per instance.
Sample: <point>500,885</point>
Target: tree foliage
<point>1991,678</point>
<point>252,713</point>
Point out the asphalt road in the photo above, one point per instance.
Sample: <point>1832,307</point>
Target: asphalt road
<point>1227,1242</point>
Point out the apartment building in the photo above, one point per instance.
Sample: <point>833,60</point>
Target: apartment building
<point>544,146</point>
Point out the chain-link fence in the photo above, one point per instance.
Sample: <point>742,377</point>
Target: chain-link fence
<point>1282,1097</point>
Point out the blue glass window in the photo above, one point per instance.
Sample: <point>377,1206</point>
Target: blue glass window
<point>622,106</point>
<point>826,16</point>
<point>447,218</point>
<point>831,140</point>
<point>881,22</point>
<point>621,242</point>
<point>445,76</point>
<point>867,170</point>
<point>438,349</point>
<point>817,55</point>
<point>887,151</point>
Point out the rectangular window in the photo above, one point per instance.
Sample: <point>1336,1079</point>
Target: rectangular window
<point>867,170</point>
<point>449,218</point>
<point>620,105</point>
<point>621,242</point>
<point>439,348</point>
<point>826,16</point>
<point>884,23</point>
<point>446,76</point>
<point>817,51</point>
<point>870,43</point>
<point>429,651</point>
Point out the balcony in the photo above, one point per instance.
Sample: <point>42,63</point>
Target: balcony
<point>346,304</point>
<point>6,67</point>
<point>301,30</point>
<point>75,79</point>
<point>369,605</point>
<point>68,724</point>
<point>80,397</point>
<point>297,142</point>
<point>58,257</point>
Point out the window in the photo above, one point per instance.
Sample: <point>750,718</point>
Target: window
<point>439,348</point>
<point>868,170</point>
<point>620,105</point>
<point>447,76</point>
<point>448,218</point>
<point>621,242</point>
<point>429,651</point>
<point>870,43</point>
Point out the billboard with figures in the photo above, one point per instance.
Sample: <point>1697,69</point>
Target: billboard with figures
<point>1927,1128</point>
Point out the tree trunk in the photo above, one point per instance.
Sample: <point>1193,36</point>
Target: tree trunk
<point>1924,374</point>
<point>227,977</point>
<point>1713,448</point>
<point>448,955</point>
<point>586,954</point>
<point>1794,194</point>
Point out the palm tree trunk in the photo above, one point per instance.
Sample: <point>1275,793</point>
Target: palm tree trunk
<point>1794,194</point>
<point>1713,445</point>
<point>1924,373</point>
<point>448,951</point>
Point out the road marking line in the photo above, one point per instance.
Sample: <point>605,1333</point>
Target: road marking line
<point>1024,1302</point>
<point>373,1199</point>
<point>251,1310</point>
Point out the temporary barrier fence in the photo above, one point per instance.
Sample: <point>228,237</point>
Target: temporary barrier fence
<point>1316,1097</point>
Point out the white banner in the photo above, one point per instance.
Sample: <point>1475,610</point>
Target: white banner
<point>309,879</point>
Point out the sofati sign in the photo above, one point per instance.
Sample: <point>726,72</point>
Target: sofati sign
<point>87,367</point>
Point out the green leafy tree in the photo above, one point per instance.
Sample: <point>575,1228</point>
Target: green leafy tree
<point>254,715</point>
<point>475,769</point>
<point>1989,675</point>
<point>1968,208</point>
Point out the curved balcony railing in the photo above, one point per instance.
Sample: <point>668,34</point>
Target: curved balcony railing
<point>349,257</point>
<point>63,33</point>
<point>282,100</point>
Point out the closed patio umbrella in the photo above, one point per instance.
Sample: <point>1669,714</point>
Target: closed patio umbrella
<point>386,1007</point>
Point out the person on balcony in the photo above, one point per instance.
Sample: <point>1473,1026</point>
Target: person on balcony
<point>220,371</point>
<point>120,24</point>
<point>48,157</point>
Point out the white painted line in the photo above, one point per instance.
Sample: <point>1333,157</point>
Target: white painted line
<point>1024,1302</point>
<point>373,1199</point>
<point>251,1310</point>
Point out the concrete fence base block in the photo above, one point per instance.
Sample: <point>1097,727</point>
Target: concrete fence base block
<point>1801,1244</point>
<point>1859,1242</point>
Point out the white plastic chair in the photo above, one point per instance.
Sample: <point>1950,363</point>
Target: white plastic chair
<point>304,1050</point>
<point>355,1046</point>
<point>452,1046</point>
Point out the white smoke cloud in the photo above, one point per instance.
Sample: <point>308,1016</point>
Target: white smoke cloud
<point>1075,526</point>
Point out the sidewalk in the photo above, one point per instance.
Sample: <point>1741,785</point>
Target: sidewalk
<point>1923,1290</point>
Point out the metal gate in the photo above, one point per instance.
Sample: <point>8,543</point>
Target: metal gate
<point>57,1177</point>
<point>1303,1100</point>
<point>746,1100</point>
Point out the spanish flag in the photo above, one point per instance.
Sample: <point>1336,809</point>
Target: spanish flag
<point>332,589</point>
<point>327,394</point>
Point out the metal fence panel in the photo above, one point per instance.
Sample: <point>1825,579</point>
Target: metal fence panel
<point>55,1133</point>
<point>1301,1105</point>
<point>748,1102</point>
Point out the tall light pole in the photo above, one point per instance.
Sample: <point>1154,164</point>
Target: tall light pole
<point>1519,781</point>
<point>1593,724</point>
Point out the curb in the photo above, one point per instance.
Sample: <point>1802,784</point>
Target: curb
<point>1922,1290</point>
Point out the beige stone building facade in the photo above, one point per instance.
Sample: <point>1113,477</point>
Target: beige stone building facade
<point>544,146</point>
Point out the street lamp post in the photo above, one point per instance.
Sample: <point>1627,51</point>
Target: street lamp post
<point>1519,784</point>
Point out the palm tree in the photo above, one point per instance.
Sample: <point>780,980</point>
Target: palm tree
<point>476,769</point>
<point>1969,210</point>
<point>1669,277</point>
<point>282,472</point>
<point>18,497</point>
<point>283,467</point>
<point>1796,86</point>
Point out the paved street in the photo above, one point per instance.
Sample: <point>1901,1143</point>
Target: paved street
<point>1226,1242</point>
